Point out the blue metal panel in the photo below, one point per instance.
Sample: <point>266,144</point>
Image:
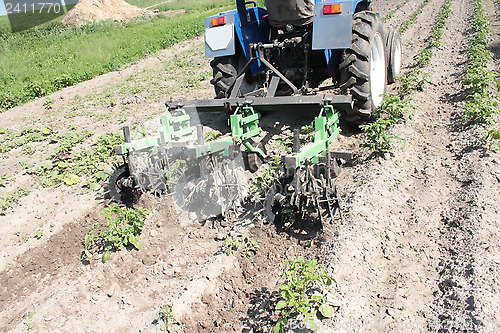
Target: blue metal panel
<point>253,29</point>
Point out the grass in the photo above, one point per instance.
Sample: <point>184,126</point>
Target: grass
<point>40,61</point>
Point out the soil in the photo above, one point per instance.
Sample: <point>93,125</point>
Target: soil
<point>93,11</point>
<point>417,248</point>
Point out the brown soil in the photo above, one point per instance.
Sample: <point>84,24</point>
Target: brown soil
<point>92,11</point>
<point>417,249</point>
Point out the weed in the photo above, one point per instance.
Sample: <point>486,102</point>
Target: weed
<point>166,315</point>
<point>9,200</point>
<point>212,136</point>
<point>243,243</point>
<point>5,179</point>
<point>299,292</point>
<point>123,226</point>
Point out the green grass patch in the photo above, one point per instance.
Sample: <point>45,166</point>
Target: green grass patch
<point>7,201</point>
<point>43,60</point>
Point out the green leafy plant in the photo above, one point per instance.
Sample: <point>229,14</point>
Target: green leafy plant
<point>242,243</point>
<point>123,226</point>
<point>482,106</point>
<point>423,57</point>
<point>414,80</point>
<point>300,294</point>
<point>413,17</point>
<point>391,111</point>
<point>166,315</point>
<point>212,136</point>
<point>5,179</point>
<point>267,175</point>
<point>492,137</point>
<point>9,200</point>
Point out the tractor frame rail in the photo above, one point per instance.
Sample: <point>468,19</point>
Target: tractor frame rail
<point>277,103</point>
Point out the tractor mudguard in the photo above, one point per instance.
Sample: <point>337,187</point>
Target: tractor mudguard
<point>221,41</point>
<point>332,24</point>
<point>220,35</point>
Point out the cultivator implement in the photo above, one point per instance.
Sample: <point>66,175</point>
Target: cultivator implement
<point>207,178</point>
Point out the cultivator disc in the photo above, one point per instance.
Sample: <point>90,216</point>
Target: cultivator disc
<point>309,195</point>
<point>214,187</point>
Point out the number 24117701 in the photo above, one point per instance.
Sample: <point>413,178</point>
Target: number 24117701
<point>33,7</point>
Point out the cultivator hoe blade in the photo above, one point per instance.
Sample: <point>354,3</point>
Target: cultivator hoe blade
<point>308,192</point>
<point>205,178</point>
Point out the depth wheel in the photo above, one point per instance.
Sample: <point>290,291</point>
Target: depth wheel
<point>118,183</point>
<point>363,69</point>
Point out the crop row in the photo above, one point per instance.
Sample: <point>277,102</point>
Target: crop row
<point>392,12</point>
<point>395,107</point>
<point>413,17</point>
<point>482,104</point>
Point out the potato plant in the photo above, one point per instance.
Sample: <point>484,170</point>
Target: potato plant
<point>482,105</point>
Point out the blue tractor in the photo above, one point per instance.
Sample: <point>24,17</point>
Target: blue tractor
<point>297,50</point>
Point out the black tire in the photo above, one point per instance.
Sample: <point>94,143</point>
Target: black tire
<point>393,51</point>
<point>118,192</point>
<point>224,74</point>
<point>361,73</point>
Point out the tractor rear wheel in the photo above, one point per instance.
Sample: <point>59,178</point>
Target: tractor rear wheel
<point>225,72</point>
<point>363,68</point>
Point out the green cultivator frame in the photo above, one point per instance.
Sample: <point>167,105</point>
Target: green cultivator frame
<point>207,179</point>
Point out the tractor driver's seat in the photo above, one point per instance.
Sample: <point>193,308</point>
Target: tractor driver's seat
<point>296,12</point>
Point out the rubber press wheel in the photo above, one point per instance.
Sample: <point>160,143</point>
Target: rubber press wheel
<point>117,190</point>
<point>363,70</point>
<point>393,49</point>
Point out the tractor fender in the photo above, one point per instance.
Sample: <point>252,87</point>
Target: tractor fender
<point>236,34</point>
<point>220,39</point>
<point>333,30</point>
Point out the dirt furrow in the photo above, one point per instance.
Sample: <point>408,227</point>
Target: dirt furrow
<point>387,256</point>
<point>467,295</point>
